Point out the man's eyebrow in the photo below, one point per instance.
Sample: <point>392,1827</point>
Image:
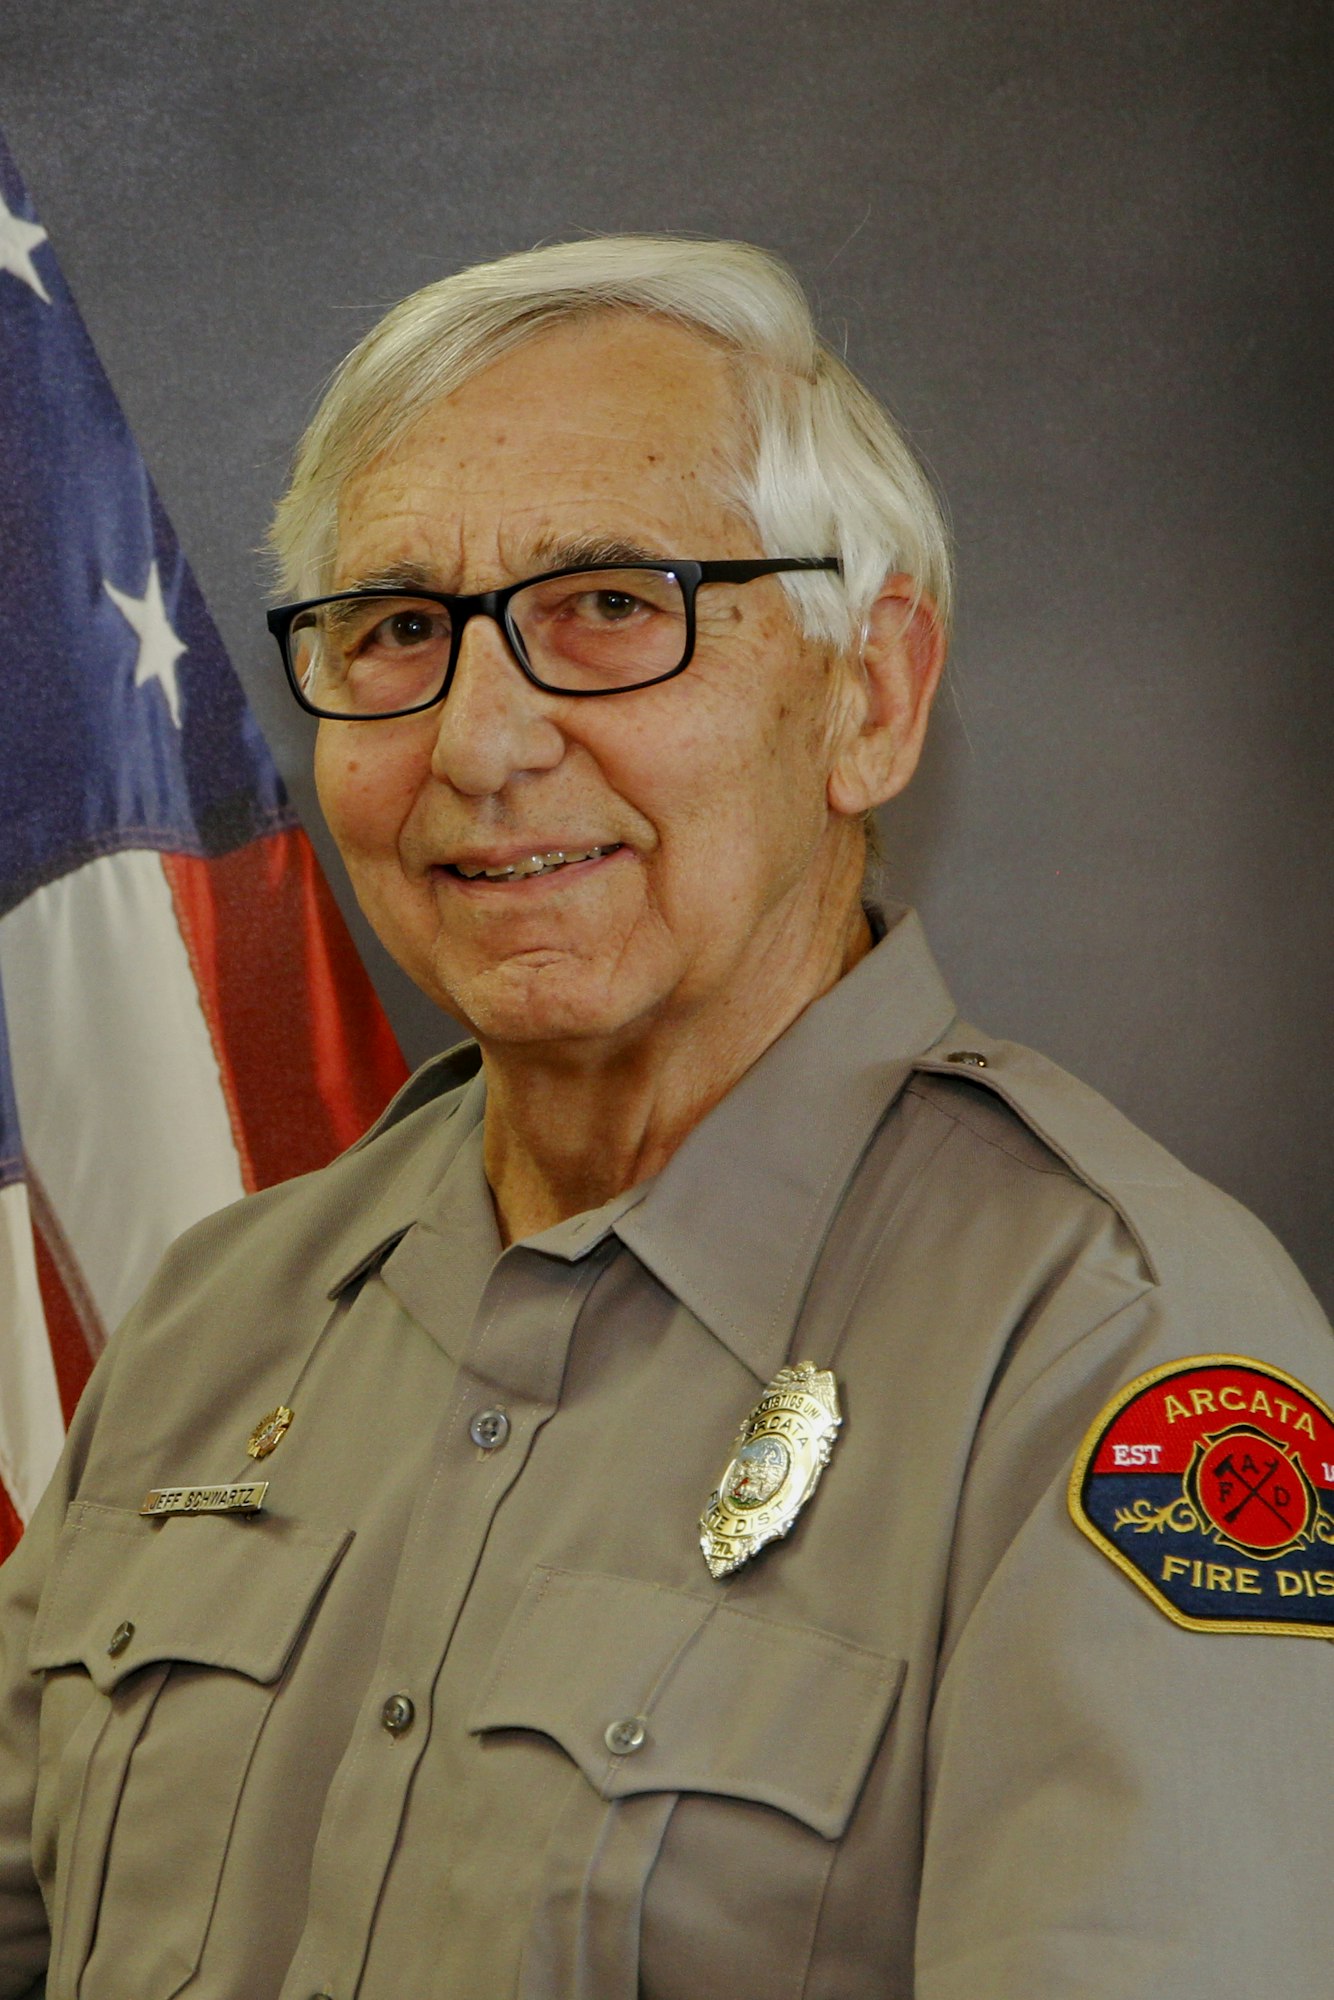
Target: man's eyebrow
<point>549,552</point>
<point>395,576</point>
<point>590,551</point>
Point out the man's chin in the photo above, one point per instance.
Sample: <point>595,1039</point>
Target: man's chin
<point>535,998</point>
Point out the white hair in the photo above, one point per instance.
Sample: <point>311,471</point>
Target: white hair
<point>824,471</point>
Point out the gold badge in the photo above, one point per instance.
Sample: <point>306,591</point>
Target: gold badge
<point>781,1450</point>
<point>270,1432</point>
<point>246,1499</point>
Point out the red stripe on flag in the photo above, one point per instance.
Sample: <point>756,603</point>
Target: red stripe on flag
<point>308,1059</point>
<point>11,1528</point>
<point>73,1324</point>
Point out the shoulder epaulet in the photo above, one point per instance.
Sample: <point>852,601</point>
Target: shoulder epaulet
<point>1180,1223</point>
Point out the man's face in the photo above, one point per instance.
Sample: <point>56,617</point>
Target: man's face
<point>708,792</point>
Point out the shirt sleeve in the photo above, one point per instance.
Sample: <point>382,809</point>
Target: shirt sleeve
<point>1116,1805</point>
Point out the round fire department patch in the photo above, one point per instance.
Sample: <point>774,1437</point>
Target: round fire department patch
<point>1210,1482</point>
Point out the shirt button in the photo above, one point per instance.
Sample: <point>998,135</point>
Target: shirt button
<point>631,1733</point>
<point>120,1638</point>
<point>397,1714</point>
<point>970,1058</point>
<point>489,1429</point>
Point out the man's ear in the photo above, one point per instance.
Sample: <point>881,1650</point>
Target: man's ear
<point>892,680</point>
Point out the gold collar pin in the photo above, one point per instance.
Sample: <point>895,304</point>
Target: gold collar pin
<point>269,1433</point>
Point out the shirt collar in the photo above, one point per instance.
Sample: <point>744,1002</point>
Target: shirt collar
<point>734,1223</point>
<point>394,1197</point>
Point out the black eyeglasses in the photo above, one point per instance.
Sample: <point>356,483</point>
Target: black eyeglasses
<point>373,654</point>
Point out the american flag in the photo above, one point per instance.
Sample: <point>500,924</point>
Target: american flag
<point>183,1016</point>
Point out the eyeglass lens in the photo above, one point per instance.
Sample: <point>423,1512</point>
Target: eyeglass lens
<point>598,629</point>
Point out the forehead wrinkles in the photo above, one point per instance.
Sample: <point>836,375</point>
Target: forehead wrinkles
<point>456,488</point>
<point>374,534</point>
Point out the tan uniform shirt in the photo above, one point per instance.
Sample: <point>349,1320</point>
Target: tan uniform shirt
<point>933,1743</point>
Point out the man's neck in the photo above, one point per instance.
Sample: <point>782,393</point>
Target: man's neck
<point>565,1133</point>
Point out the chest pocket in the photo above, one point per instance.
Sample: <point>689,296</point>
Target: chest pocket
<point>162,1644</point>
<point>720,1756</point>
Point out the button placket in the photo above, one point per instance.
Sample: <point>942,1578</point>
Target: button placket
<point>521,1336</point>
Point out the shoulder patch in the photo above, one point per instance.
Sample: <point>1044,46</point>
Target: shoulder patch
<point>1210,1482</point>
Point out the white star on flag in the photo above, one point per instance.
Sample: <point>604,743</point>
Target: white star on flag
<point>18,240</point>
<point>159,648</point>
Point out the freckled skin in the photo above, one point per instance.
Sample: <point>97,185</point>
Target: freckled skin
<point>613,1004</point>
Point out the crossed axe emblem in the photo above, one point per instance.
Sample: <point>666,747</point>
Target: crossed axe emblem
<point>1255,1492</point>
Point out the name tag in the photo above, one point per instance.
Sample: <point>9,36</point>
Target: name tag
<point>244,1499</point>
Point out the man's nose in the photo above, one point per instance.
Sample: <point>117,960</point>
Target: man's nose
<point>494,723</point>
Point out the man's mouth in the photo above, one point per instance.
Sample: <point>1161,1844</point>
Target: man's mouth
<point>529,864</point>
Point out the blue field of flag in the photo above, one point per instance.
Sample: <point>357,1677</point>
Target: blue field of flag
<point>124,724</point>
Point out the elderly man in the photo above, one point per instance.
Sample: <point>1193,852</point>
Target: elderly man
<point>742,1484</point>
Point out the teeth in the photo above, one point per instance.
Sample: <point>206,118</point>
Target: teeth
<point>532,864</point>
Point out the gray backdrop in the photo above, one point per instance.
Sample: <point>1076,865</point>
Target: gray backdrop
<point>1081,251</point>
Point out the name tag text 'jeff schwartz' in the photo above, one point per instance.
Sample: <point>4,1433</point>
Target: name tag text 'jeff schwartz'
<point>245,1499</point>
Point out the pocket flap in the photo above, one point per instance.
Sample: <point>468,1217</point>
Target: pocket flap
<point>214,1589</point>
<point>731,1703</point>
